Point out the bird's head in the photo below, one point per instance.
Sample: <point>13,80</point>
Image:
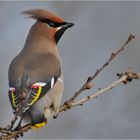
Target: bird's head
<point>48,23</point>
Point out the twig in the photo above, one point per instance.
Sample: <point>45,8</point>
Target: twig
<point>88,84</point>
<point>9,135</point>
<point>125,78</point>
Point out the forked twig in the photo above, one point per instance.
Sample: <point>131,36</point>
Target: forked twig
<point>88,84</point>
<point>124,78</point>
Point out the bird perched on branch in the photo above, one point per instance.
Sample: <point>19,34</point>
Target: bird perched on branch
<point>35,76</point>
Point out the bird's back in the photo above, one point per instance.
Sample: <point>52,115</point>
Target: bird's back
<point>33,67</point>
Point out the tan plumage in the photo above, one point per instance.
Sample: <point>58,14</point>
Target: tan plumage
<point>35,73</point>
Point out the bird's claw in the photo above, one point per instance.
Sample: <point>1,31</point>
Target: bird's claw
<point>18,128</point>
<point>55,115</point>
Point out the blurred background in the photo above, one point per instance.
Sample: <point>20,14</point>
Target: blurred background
<point>100,29</point>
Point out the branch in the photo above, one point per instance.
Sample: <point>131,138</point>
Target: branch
<point>123,78</point>
<point>7,135</point>
<point>126,77</point>
<point>88,84</point>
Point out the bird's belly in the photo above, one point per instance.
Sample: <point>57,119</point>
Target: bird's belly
<point>50,102</point>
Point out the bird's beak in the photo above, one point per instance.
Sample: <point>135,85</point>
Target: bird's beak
<point>62,29</point>
<point>67,25</point>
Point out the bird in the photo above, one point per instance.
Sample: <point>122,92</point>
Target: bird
<point>35,75</point>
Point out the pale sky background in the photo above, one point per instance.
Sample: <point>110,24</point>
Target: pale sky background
<point>100,28</point>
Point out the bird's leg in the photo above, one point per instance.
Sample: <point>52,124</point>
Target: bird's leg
<point>55,115</point>
<point>12,122</point>
<point>19,126</point>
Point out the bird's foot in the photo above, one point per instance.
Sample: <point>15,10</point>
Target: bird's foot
<point>18,128</point>
<point>9,127</point>
<point>55,115</point>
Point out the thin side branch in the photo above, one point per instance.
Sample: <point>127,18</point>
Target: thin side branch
<point>88,84</point>
<point>125,78</point>
<point>7,135</point>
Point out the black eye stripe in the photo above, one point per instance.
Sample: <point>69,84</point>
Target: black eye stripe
<point>52,24</point>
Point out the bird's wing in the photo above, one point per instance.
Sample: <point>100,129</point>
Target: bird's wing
<point>14,97</point>
<point>43,73</point>
<point>38,90</point>
<point>14,76</point>
<point>38,73</point>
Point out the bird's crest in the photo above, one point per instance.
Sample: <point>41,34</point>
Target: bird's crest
<point>41,14</point>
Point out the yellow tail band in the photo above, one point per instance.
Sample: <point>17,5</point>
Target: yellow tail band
<point>38,125</point>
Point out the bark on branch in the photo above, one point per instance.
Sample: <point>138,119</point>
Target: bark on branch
<point>124,78</point>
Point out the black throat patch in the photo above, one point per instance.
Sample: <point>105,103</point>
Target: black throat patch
<point>58,34</point>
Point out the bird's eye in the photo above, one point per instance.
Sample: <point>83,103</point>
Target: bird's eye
<point>51,24</point>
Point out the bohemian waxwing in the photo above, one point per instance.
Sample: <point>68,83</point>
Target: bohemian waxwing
<point>35,76</point>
